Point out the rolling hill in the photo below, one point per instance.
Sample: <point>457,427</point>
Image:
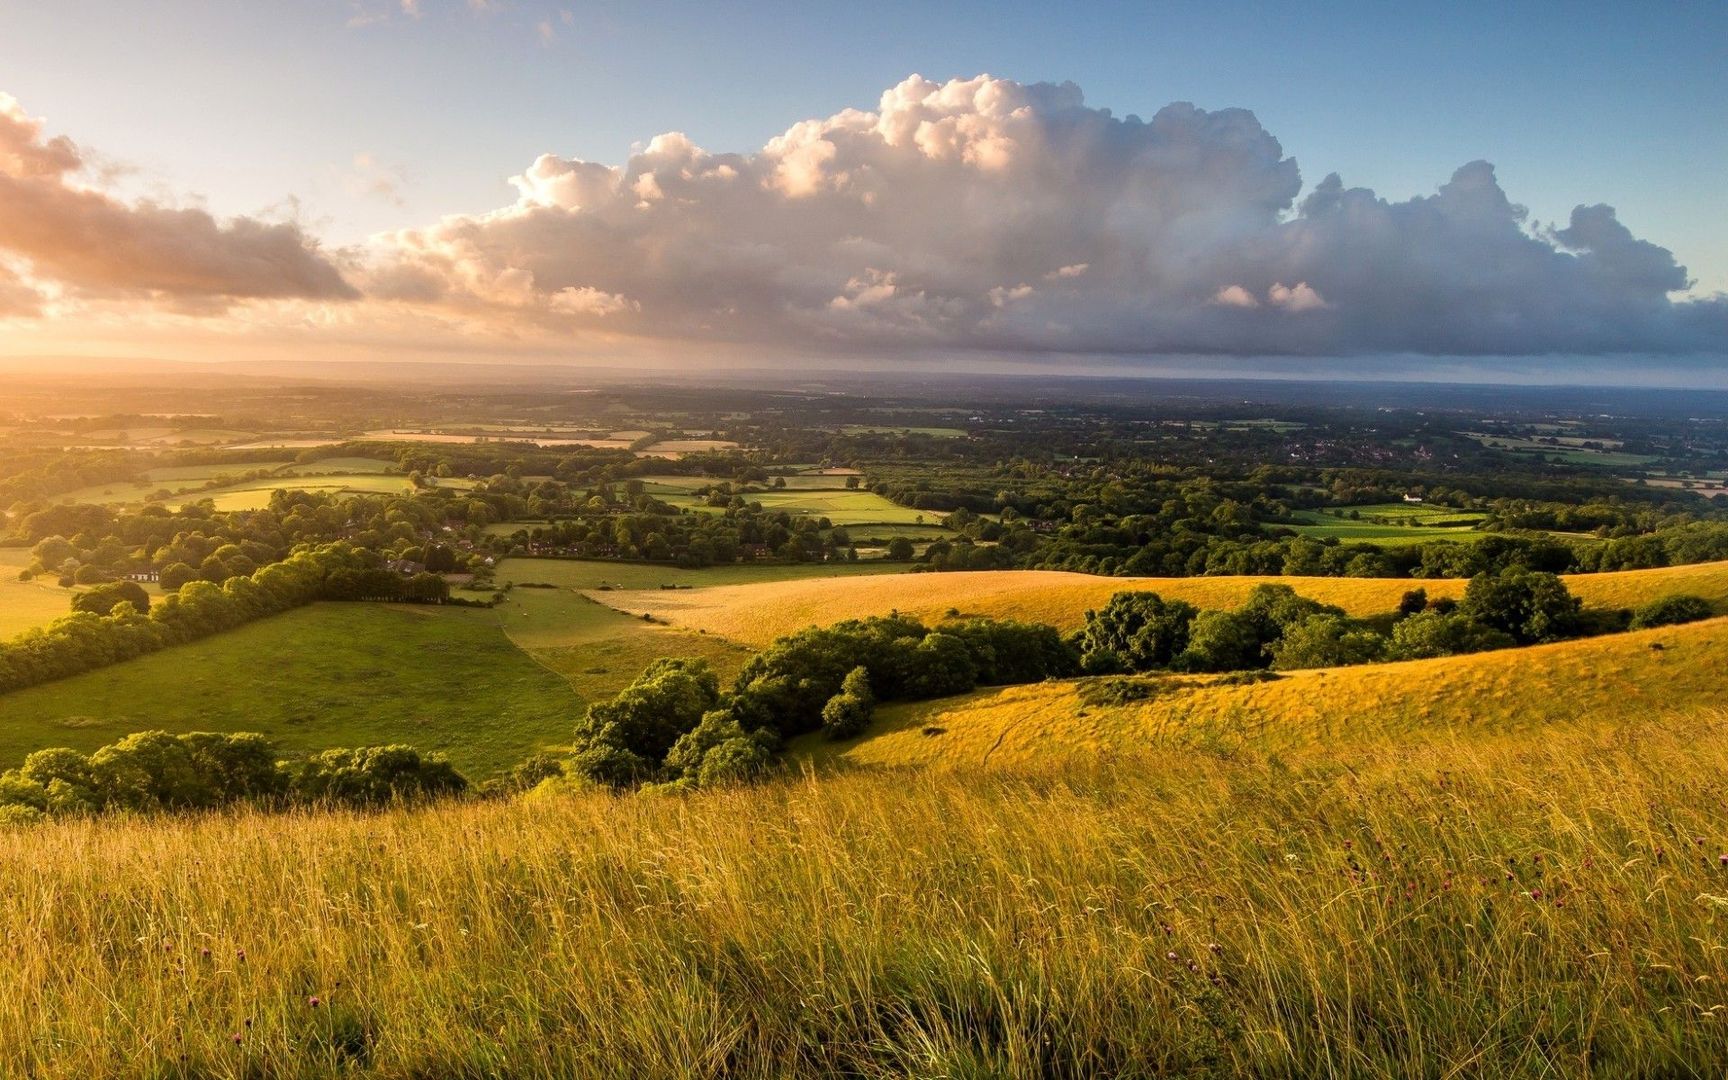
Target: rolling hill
<point>1609,679</point>
<point>756,614</point>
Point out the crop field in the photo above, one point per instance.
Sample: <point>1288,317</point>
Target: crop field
<point>439,678</point>
<point>757,614</point>
<point>1613,678</point>
<point>1517,904</point>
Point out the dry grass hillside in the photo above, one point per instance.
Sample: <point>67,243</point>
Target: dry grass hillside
<point>757,614</point>
<point>1509,906</point>
<point>1615,678</point>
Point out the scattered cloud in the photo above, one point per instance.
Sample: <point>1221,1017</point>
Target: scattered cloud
<point>92,244</point>
<point>927,219</point>
<point>1235,296</point>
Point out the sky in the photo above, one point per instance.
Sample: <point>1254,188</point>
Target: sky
<point>670,183</point>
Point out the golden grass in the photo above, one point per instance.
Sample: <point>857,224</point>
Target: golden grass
<point>1545,905</point>
<point>757,614</point>
<point>1617,677</point>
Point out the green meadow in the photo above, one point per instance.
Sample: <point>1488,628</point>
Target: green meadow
<point>1391,524</point>
<point>440,678</point>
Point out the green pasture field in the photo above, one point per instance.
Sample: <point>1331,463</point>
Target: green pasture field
<point>1567,452</point>
<point>25,605</point>
<point>848,508</point>
<point>1392,524</point>
<point>438,678</point>
<point>340,465</point>
<point>255,494</point>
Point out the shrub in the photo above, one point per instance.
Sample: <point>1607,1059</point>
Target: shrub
<point>1670,611</point>
<point>374,776</point>
<point>1434,633</point>
<point>847,713</point>
<point>1327,641</point>
<point>632,733</point>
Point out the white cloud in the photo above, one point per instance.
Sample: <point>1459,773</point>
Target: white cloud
<point>1298,297</point>
<point>1235,296</point>
<point>92,244</point>
<point>925,218</point>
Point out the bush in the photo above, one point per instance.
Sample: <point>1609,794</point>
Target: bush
<point>1434,633</point>
<point>847,713</point>
<point>374,776</point>
<point>627,739</point>
<point>1671,611</point>
<point>1327,641</point>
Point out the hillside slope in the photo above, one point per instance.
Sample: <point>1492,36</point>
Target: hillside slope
<point>1617,677</point>
<point>757,614</point>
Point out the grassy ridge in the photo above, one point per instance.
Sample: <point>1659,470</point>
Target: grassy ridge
<point>1502,907</point>
<point>757,614</point>
<point>1618,677</point>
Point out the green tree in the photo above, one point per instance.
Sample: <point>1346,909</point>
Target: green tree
<point>1135,631</point>
<point>1531,605</point>
<point>1327,641</point>
<point>1434,633</point>
<point>103,599</point>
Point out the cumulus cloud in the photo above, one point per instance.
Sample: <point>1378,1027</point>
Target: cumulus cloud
<point>984,214</point>
<point>90,243</point>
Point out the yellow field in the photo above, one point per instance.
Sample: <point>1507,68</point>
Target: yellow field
<point>1609,679</point>
<point>757,614</point>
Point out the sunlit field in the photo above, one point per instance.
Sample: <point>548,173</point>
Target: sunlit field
<point>1618,678</point>
<point>757,614</point>
<point>1513,906</point>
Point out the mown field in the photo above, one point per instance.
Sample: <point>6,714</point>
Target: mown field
<point>1537,905</point>
<point>1615,678</point>
<point>441,679</point>
<point>757,614</point>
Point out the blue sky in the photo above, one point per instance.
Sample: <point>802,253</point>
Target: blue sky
<point>248,103</point>
<point>357,117</point>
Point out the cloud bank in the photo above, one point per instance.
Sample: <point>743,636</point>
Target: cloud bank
<point>973,217</point>
<point>91,244</point>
